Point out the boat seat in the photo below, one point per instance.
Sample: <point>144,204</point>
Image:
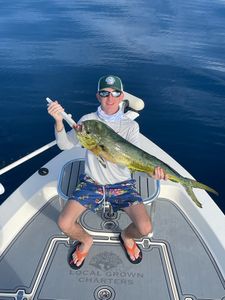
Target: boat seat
<point>69,178</point>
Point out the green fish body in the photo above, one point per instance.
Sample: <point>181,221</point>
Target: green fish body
<point>105,143</point>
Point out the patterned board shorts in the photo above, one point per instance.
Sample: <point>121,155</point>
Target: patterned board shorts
<point>119,195</point>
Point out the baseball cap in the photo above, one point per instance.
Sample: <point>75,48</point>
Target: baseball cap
<point>110,81</point>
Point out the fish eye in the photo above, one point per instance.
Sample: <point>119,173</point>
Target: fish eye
<point>87,130</point>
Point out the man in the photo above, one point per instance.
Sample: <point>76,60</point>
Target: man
<point>99,180</point>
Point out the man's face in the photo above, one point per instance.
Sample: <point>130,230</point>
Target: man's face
<point>109,100</point>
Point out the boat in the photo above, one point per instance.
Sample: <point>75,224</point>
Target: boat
<point>183,259</point>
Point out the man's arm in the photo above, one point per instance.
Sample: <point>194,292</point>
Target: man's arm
<point>65,140</point>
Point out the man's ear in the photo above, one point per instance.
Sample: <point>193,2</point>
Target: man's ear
<point>121,97</point>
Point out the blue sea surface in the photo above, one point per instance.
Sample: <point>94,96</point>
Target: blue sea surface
<point>169,53</point>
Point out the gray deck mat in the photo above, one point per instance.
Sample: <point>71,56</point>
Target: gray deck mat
<point>176,263</point>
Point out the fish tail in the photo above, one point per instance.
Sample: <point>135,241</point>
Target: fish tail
<point>196,184</point>
<point>189,184</point>
<point>192,195</point>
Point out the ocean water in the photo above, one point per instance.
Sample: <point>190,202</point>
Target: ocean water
<point>169,53</point>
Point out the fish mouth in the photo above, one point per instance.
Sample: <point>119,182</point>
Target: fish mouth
<point>79,128</point>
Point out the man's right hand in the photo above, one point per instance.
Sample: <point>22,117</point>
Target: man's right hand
<point>55,109</point>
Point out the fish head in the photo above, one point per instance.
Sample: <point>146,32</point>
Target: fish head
<point>90,133</point>
<point>94,127</point>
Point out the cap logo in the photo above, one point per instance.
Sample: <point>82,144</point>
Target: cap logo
<point>110,80</point>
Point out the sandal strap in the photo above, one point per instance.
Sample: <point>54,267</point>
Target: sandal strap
<point>80,255</point>
<point>131,250</point>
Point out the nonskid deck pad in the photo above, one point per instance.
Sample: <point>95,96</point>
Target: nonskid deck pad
<point>107,272</point>
<point>176,262</point>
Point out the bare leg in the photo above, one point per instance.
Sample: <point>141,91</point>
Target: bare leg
<point>67,222</point>
<point>141,226</point>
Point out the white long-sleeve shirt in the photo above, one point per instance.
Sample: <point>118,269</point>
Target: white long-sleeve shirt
<point>113,173</point>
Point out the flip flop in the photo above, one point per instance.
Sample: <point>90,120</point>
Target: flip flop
<point>130,251</point>
<point>79,254</point>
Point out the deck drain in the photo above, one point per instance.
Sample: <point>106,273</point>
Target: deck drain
<point>109,215</point>
<point>109,225</point>
<point>104,293</point>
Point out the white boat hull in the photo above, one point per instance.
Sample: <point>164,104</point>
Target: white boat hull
<point>183,260</point>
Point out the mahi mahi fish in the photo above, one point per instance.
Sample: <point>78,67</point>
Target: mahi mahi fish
<point>106,144</point>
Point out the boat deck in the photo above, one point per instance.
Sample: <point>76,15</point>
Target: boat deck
<point>176,262</point>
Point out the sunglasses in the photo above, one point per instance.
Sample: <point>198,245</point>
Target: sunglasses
<point>107,93</point>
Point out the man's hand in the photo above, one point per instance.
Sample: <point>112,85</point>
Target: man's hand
<point>159,173</point>
<point>54,109</point>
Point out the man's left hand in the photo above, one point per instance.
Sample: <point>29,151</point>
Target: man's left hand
<point>159,173</point>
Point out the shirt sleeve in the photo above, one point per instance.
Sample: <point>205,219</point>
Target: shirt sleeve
<point>67,140</point>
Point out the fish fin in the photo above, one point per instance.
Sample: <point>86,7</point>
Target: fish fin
<point>102,161</point>
<point>192,195</point>
<point>200,185</point>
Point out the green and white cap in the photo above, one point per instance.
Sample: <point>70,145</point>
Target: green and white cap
<point>110,81</point>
